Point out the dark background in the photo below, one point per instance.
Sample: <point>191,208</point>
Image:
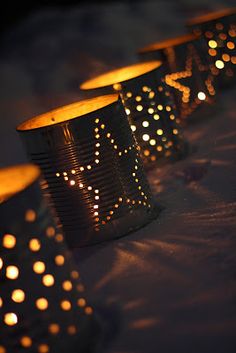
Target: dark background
<point>48,47</point>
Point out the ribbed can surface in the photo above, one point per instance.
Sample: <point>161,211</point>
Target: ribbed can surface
<point>42,299</point>
<point>93,173</point>
<point>188,71</point>
<point>218,29</point>
<point>150,108</point>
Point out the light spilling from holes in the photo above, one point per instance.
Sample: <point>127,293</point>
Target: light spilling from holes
<point>59,260</point>
<point>219,64</point>
<point>54,329</point>
<point>218,29</point>
<point>34,244</point>
<point>30,216</point>
<point>48,280</point>
<point>39,267</point>
<point>10,319</point>
<point>12,272</point>
<point>67,285</point>
<point>66,305</point>
<point>42,304</point>
<point>146,137</point>
<point>43,348</point>
<point>18,296</point>
<point>80,176</point>
<point>187,73</point>
<point>212,44</point>
<point>26,342</point>
<point>201,96</point>
<point>145,106</point>
<point>33,248</point>
<point>9,241</point>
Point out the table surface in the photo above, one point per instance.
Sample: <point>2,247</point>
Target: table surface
<point>170,286</point>
<point>173,283</point>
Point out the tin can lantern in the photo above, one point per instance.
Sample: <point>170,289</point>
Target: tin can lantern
<point>219,32</point>
<point>188,71</point>
<point>149,106</point>
<point>92,167</point>
<point>42,304</point>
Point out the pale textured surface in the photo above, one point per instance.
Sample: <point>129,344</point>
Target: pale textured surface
<point>173,283</point>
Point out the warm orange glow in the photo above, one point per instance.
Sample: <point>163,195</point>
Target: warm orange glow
<point>75,274</point>
<point>43,348</point>
<point>230,45</point>
<point>48,280</point>
<point>71,330</point>
<point>120,75</point>
<point>65,305</point>
<point>18,296</point>
<point>81,302</point>
<point>171,42</point>
<point>212,44</point>
<point>54,329</point>
<point>212,52</point>
<point>59,238</point>
<point>42,304</point>
<point>59,260</point>
<point>146,153</point>
<point>50,231</point>
<point>88,310</point>
<point>67,285</point>
<point>2,349</point>
<point>211,16</point>
<point>226,57</point>
<point>12,272</point>
<point>1,302</point>
<point>1,263</point>
<point>30,216</point>
<point>117,86</point>
<point>171,80</point>
<point>34,244</point>
<point>16,179</point>
<point>8,241</point>
<point>10,319</point>
<point>39,267</point>
<point>26,341</point>
<point>232,33</point>
<point>68,112</point>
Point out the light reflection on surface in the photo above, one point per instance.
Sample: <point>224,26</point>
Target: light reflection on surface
<point>172,277</point>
